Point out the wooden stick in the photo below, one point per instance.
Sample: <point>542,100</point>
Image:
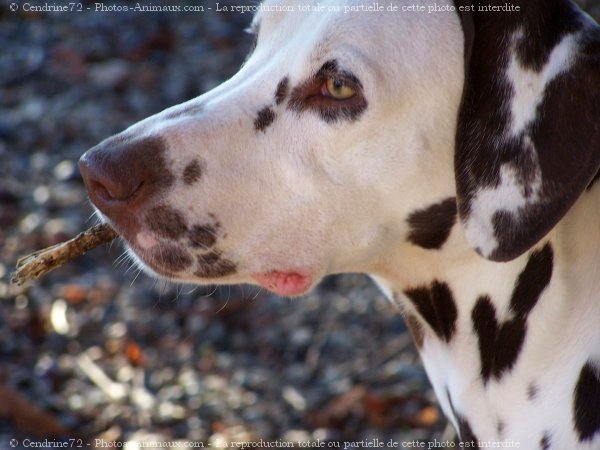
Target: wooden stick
<point>39,263</point>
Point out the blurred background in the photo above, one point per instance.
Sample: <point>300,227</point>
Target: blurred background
<point>96,350</point>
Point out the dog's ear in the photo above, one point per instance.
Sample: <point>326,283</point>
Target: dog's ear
<point>528,131</point>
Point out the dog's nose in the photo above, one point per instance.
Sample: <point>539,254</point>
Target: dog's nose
<point>110,175</point>
<point>121,174</point>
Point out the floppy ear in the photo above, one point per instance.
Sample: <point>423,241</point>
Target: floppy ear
<point>528,132</point>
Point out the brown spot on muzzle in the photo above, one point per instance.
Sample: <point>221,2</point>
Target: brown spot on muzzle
<point>202,236</point>
<point>166,222</point>
<point>213,265</point>
<point>192,172</point>
<point>169,259</point>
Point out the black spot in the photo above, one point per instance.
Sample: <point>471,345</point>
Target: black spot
<point>532,391</point>
<point>307,96</point>
<point>532,281</point>
<point>500,344</point>
<point>436,305</point>
<point>264,118</point>
<point>545,441</point>
<point>282,90</point>
<point>465,433</point>
<point>168,259</point>
<point>586,404</point>
<point>202,236</point>
<point>166,222</point>
<point>210,258</point>
<point>431,226</point>
<point>192,172</point>
<point>213,265</point>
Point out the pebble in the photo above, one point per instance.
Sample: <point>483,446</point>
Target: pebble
<point>65,170</point>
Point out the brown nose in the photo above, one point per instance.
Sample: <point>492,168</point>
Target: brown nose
<point>120,174</point>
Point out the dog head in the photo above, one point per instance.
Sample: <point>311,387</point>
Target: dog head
<point>313,158</point>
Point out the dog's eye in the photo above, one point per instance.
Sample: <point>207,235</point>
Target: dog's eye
<point>337,89</point>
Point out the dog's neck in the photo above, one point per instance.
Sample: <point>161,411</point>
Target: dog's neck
<point>502,352</point>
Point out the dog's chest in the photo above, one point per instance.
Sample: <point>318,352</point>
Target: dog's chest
<point>513,349</point>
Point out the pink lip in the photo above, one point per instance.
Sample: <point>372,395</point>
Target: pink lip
<point>289,284</point>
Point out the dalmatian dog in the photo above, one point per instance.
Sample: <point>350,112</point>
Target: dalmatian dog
<point>453,155</point>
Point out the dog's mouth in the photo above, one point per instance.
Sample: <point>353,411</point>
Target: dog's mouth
<point>285,283</point>
<point>175,261</point>
<point>180,259</point>
<point>162,259</point>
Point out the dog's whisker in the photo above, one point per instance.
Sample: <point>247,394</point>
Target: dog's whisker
<point>139,271</point>
<point>121,259</point>
<point>222,307</point>
<point>258,292</point>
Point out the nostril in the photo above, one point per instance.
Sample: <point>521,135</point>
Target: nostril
<point>111,193</point>
<point>99,191</point>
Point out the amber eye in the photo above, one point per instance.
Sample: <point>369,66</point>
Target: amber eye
<point>337,89</point>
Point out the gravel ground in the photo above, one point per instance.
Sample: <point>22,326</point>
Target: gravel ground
<point>94,351</point>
